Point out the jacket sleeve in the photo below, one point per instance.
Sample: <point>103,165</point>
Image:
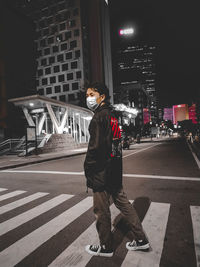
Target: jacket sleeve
<point>93,146</point>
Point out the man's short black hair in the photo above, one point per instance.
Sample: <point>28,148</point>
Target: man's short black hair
<point>101,88</point>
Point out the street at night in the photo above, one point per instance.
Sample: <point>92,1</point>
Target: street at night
<point>46,216</point>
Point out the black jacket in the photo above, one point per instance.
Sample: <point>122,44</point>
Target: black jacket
<point>103,162</point>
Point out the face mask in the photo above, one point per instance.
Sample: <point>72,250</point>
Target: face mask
<point>92,102</point>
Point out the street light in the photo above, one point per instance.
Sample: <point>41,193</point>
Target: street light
<point>126,31</point>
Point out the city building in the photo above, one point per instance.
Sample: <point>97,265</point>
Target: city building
<point>135,70</point>
<point>73,46</point>
<point>180,113</point>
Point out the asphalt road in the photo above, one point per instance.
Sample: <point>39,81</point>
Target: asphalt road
<point>46,215</point>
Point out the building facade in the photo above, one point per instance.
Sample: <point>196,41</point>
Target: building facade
<point>136,66</point>
<point>72,46</point>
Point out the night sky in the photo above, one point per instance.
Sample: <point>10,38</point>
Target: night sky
<point>173,26</point>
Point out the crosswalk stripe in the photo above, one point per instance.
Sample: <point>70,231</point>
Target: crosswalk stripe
<point>154,223</point>
<point>11,194</point>
<point>23,247</point>
<point>21,202</point>
<point>195,213</point>
<point>75,254</point>
<point>32,213</point>
<point>3,189</point>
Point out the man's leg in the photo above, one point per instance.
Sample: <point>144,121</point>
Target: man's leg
<point>101,208</point>
<point>122,203</point>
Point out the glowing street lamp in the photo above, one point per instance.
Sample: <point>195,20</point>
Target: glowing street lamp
<point>126,31</point>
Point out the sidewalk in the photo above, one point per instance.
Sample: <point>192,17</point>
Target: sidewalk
<point>14,161</point>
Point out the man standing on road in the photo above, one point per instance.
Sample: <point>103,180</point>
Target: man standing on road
<point>103,171</point>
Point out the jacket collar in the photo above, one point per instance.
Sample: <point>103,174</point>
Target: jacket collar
<point>105,106</point>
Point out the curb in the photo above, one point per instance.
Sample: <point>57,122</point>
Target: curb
<point>39,161</point>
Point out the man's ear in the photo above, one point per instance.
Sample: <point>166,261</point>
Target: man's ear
<point>103,97</point>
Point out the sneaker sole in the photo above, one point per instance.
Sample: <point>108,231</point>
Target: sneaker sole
<point>137,248</point>
<point>87,249</point>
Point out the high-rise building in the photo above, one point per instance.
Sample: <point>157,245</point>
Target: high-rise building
<point>135,69</point>
<point>73,46</point>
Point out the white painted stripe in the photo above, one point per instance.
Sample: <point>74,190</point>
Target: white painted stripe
<point>194,155</point>
<point>32,213</point>
<point>44,172</point>
<point>3,189</point>
<point>75,254</point>
<point>22,248</point>
<point>154,225</point>
<point>163,177</point>
<point>195,214</point>
<point>11,194</point>
<point>138,151</point>
<point>21,202</point>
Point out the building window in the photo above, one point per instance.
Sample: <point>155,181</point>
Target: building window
<point>76,32</point>
<point>66,15</point>
<point>77,53</point>
<point>47,51</point>
<point>51,60</point>
<point>64,46</point>
<point>55,49</point>
<point>45,31</point>
<point>65,67</point>
<point>74,86</point>
<point>74,65</point>
<point>39,53</point>
<point>56,68</point>
<point>44,81</point>
<point>41,91</point>
<point>61,78</point>
<point>50,40</point>
<point>57,89</point>
<point>48,71</point>
<point>43,61</point>
<point>62,26</point>
<point>71,97</point>
<point>43,43</point>
<point>59,38</point>
<point>50,20</point>
<point>78,75</point>
<point>68,55</point>
<point>68,35</point>
<point>52,79</point>
<point>62,98</point>
<point>70,76</point>
<point>49,90</point>
<point>65,87</point>
<point>73,44</point>
<point>60,58</point>
<point>54,97</point>
<point>54,29</point>
<point>40,72</point>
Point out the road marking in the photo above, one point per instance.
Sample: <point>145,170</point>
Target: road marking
<point>21,202</point>
<point>154,224</point>
<point>11,194</point>
<point>194,155</point>
<point>195,214</point>
<point>138,151</point>
<point>45,172</point>
<point>32,213</point>
<point>23,247</point>
<point>75,254</point>
<point>163,177</point>
<point>3,189</point>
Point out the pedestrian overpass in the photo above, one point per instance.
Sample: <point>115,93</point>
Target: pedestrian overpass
<point>50,117</point>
